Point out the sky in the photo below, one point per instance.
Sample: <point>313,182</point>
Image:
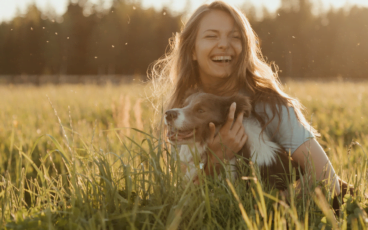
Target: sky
<point>9,8</point>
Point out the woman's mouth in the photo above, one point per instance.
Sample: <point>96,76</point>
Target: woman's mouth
<point>222,59</point>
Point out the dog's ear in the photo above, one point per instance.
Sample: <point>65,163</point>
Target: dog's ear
<point>242,104</point>
<point>187,94</point>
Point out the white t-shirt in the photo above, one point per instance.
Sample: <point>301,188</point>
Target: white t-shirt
<point>291,133</point>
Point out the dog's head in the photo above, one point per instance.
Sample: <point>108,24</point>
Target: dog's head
<point>191,122</point>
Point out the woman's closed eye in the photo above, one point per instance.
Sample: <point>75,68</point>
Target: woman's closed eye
<point>236,35</point>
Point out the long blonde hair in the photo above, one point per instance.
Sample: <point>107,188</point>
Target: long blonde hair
<point>176,72</point>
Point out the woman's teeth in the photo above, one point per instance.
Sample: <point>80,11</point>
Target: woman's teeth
<point>221,59</point>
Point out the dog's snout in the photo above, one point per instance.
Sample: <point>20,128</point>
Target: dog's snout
<point>171,115</point>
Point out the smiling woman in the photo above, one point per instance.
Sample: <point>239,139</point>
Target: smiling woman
<point>217,53</point>
<point>217,47</point>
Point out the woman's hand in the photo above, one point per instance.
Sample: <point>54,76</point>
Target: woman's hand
<point>228,141</point>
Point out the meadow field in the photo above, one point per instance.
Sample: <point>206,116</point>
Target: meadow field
<point>87,157</point>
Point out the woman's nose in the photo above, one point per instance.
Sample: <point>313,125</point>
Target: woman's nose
<point>223,43</point>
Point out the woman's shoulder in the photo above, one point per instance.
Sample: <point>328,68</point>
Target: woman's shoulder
<point>264,109</point>
<point>281,113</point>
<point>283,125</point>
<point>285,128</point>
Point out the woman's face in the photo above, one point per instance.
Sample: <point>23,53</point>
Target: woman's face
<point>217,46</point>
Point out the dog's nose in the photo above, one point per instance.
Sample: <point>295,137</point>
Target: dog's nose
<point>171,115</point>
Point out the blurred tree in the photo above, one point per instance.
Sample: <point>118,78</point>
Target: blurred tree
<point>126,38</point>
<point>22,48</point>
<point>77,30</point>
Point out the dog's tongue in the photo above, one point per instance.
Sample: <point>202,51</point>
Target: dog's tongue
<point>185,133</point>
<point>180,134</point>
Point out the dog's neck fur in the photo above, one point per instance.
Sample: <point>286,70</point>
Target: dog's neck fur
<point>189,150</point>
<point>262,150</point>
<point>192,155</point>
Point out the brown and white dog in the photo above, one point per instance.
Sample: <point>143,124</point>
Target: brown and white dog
<point>188,127</point>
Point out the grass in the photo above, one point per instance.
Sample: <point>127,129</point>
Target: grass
<point>68,161</point>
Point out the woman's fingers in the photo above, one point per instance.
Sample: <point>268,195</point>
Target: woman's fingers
<point>230,118</point>
<point>238,126</point>
<point>232,135</point>
<point>243,139</point>
<point>212,131</point>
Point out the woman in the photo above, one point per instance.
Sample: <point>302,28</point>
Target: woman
<point>217,52</point>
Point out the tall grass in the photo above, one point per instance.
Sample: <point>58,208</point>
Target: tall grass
<point>72,162</point>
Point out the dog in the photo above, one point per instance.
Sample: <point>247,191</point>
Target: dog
<point>189,127</point>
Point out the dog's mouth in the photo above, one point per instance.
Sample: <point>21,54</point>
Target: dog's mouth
<point>176,135</point>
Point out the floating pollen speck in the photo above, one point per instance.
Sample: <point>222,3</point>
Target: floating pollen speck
<point>31,28</point>
<point>56,33</point>
<point>164,13</point>
<point>11,29</point>
<point>126,43</point>
<point>47,41</point>
<point>67,37</point>
<point>134,8</point>
<point>43,27</point>
<point>95,57</point>
<point>293,36</point>
<point>113,46</point>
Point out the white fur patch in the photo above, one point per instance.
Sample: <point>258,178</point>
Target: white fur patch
<point>262,149</point>
<point>186,156</point>
<point>179,121</point>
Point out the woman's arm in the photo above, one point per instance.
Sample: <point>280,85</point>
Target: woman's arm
<point>313,159</point>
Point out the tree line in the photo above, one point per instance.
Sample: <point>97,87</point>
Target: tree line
<point>126,38</point>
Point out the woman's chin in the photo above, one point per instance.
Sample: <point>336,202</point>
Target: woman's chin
<point>216,78</point>
<point>221,74</point>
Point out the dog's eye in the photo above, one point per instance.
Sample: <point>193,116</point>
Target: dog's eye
<point>200,111</point>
